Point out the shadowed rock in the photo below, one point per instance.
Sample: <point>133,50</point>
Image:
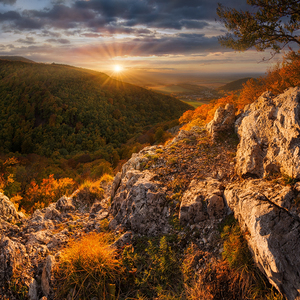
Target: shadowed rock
<point>269,136</point>
<point>223,120</point>
<point>273,231</point>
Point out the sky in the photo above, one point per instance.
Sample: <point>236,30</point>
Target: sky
<point>168,36</point>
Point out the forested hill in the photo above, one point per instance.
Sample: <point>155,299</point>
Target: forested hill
<point>16,58</point>
<point>234,85</point>
<point>44,108</point>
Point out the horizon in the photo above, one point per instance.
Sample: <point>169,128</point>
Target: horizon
<point>139,37</point>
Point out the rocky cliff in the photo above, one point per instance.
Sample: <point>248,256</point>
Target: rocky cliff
<point>187,187</point>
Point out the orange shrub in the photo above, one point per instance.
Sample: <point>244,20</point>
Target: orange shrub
<point>50,189</point>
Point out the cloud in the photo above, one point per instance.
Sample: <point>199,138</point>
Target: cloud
<point>10,16</point>
<point>180,44</point>
<point>9,2</point>
<point>100,15</point>
<point>149,27</point>
<point>60,41</point>
<point>27,40</point>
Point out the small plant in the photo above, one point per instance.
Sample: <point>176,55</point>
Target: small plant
<point>250,282</point>
<point>172,161</point>
<point>288,180</point>
<point>89,267</point>
<point>154,267</point>
<point>90,191</point>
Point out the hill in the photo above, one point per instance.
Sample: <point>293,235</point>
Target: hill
<point>45,108</point>
<point>16,58</point>
<point>234,85</point>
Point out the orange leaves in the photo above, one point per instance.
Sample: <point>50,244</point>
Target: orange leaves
<point>49,190</point>
<point>205,113</point>
<point>278,79</point>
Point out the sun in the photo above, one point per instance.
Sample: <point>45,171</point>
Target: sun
<point>118,68</point>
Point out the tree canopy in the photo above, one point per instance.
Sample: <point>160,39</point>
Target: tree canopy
<point>267,24</point>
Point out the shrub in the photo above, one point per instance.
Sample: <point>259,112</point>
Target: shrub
<point>89,267</point>
<point>50,189</point>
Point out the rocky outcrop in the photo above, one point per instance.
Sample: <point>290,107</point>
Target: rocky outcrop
<point>138,199</point>
<point>266,212</point>
<point>8,211</point>
<point>223,121</point>
<point>269,136</point>
<point>203,200</point>
<point>25,260</point>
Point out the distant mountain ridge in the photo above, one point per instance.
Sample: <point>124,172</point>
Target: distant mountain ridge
<point>16,58</point>
<point>234,85</point>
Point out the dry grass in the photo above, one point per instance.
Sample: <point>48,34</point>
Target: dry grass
<point>90,191</point>
<point>89,268</point>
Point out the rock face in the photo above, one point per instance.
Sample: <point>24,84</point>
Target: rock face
<point>203,200</point>
<point>223,120</point>
<point>266,212</point>
<point>138,200</point>
<point>269,136</point>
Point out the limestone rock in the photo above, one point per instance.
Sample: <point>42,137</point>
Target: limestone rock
<point>274,233</point>
<point>224,119</point>
<point>139,204</point>
<point>12,255</point>
<point>33,290</point>
<point>47,275</point>
<point>65,204</point>
<point>202,200</point>
<point>8,211</point>
<point>269,136</point>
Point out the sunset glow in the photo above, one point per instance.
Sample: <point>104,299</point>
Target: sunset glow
<point>118,68</point>
<point>159,37</point>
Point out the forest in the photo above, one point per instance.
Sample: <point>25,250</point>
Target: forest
<point>58,121</point>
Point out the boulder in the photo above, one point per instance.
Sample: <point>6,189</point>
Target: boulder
<point>201,201</point>
<point>224,119</point>
<point>269,136</point>
<point>140,204</point>
<point>273,232</point>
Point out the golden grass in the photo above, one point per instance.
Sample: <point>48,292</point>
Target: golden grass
<point>89,267</point>
<point>90,191</point>
<point>106,178</point>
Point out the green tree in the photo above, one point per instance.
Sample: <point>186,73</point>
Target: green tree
<point>270,24</point>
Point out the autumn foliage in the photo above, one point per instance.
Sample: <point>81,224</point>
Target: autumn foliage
<point>277,79</point>
<point>49,190</point>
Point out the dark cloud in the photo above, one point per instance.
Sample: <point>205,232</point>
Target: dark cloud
<point>9,2</point>
<point>50,33</point>
<point>97,15</point>
<point>91,35</point>
<point>10,16</point>
<point>60,41</point>
<point>27,40</point>
<point>164,45</point>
